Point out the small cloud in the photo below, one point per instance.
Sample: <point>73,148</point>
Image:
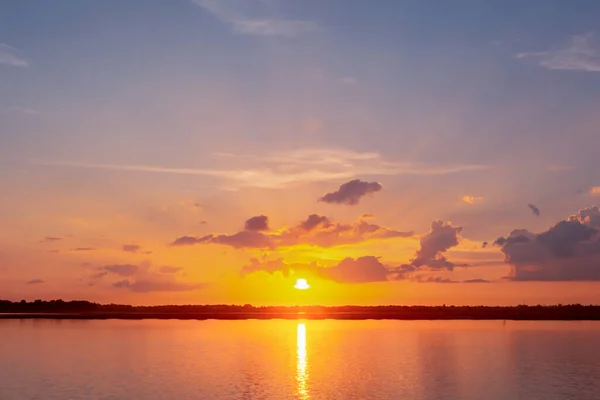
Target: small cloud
<point>476,281</point>
<point>484,245</point>
<point>534,210</point>
<point>121,269</point>
<point>595,190</point>
<point>83,249</point>
<point>50,239</point>
<point>53,251</point>
<point>350,193</point>
<point>367,216</point>
<point>432,279</point>
<point>472,199</point>
<point>131,248</point>
<point>258,223</point>
<point>580,55</point>
<point>202,222</point>
<point>169,270</point>
<point>10,56</point>
<point>35,282</point>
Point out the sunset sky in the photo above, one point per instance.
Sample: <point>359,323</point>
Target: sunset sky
<point>389,152</point>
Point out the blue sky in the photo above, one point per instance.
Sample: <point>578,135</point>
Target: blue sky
<point>258,107</point>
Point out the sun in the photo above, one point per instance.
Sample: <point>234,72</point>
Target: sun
<point>301,284</point>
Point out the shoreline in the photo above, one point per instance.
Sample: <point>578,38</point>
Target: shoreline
<point>292,316</point>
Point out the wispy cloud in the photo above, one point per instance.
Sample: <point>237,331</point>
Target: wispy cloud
<point>581,55</point>
<point>233,12</point>
<point>286,169</point>
<point>10,56</point>
<point>595,190</point>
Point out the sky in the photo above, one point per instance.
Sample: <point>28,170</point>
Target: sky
<point>215,151</point>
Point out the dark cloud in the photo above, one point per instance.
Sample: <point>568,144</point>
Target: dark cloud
<point>534,210</point>
<point>83,249</point>
<point>258,223</point>
<point>35,282</point>
<point>169,270</point>
<point>316,230</point>
<point>440,238</point>
<point>484,244</point>
<point>351,192</point>
<point>149,285</point>
<point>567,251</point>
<point>50,239</point>
<point>476,281</point>
<point>349,270</point>
<point>121,269</point>
<point>131,248</point>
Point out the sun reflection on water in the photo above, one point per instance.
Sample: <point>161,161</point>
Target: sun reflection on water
<point>301,363</point>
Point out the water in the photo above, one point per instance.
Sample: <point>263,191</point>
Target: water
<point>278,360</point>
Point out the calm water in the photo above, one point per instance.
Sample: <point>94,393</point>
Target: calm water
<point>54,359</point>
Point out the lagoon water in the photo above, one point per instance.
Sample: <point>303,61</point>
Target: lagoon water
<point>278,360</point>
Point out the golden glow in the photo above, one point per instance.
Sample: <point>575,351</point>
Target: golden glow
<point>302,363</point>
<point>301,284</point>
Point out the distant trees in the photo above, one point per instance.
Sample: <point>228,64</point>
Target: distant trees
<point>520,312</point>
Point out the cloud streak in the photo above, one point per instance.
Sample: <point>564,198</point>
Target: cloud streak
<point>287,169</point>
<point>234,14</point>
<point>581,55</point>
<point>10,56</point>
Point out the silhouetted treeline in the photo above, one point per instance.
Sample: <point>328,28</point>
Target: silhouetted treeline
<point>86,309</point>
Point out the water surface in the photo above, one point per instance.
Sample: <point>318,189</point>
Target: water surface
<point>278,360</point>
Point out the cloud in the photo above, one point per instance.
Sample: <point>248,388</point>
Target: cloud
<point>232,12</point>
<point>433,279</point>
<point>83,249</point>
<point>472,199</point>
<point>258,223</point>
<point>315,230</point>
<point>131,248</point>
<point>141,279</point>
<point>484,245</point>
<point>351,192</point>
<point>121,269</point>
<point>595,190</point>
<point>166,269</point>
<point>440,238</point>
<point>567,251</point>
<point>50,239</point>
<point>349,270</point>
<point>279,170</point>
<point>154,285</point>
<point>35,282</point>
<point>534,210</point>
<point>10,56</point>
<point>581,55</point>
<point>476,281</point>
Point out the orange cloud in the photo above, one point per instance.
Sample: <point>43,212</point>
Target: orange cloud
<point>316,230</point>
<point>472,199</point>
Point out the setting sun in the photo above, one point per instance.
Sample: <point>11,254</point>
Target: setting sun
<point>301,284</point>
